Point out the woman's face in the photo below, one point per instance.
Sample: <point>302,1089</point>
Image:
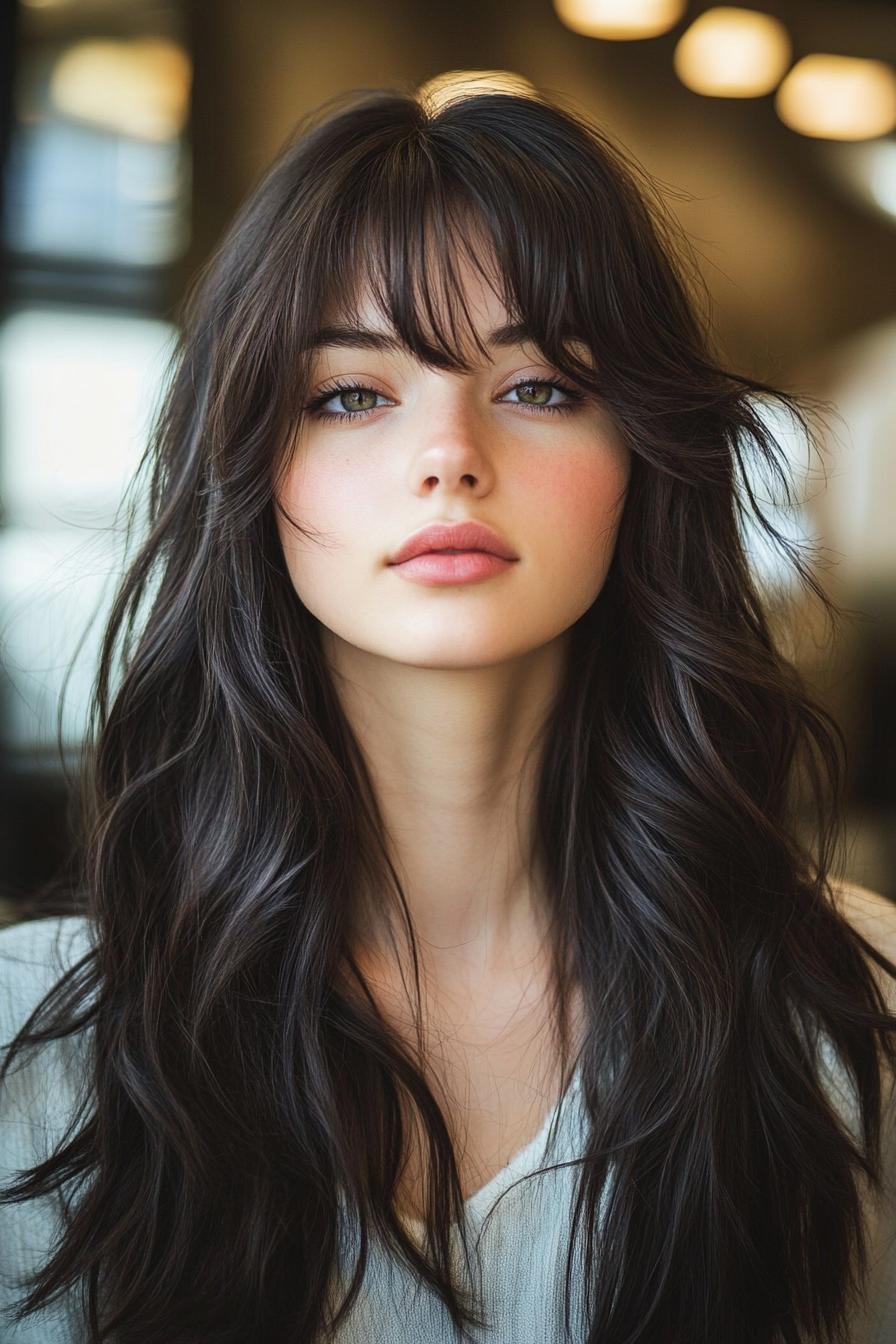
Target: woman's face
<point>436,446</point>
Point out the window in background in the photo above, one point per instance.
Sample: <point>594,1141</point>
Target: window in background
<point>77,392</point>
<point>95,216</point>
<point>98,172</point>
<point>96,188</point>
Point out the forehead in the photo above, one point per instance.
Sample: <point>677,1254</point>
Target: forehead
<point>446,280</point>
<point>448,303</point>
<point>468,303</point>
<point>379,336</point>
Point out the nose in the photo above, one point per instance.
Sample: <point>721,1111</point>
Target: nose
<point>451,437</point>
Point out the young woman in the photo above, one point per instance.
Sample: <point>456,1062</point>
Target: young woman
<point>451,954</point>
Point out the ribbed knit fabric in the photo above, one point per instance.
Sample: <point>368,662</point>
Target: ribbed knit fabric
<point>518,1229</point>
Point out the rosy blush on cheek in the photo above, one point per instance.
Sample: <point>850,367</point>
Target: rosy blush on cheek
<point>580,492</point>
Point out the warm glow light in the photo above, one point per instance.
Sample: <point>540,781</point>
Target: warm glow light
<point>838,97</point>
<point>453,85</point>
<point>139,87</point>
<point>620,19</point>
<point>732,53</point>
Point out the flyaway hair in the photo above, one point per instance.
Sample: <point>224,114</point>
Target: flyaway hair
<point>238,1078</point>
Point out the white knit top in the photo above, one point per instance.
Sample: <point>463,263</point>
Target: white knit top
<point>518,1242</point>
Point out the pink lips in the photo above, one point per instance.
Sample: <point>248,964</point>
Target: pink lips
<point>464,536</point>
<point>437,567</point>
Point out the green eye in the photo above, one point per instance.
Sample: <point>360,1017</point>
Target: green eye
<point>547,388</point>
<point>358,393</point>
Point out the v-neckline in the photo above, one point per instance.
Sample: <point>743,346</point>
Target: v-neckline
<point>517,1163</point>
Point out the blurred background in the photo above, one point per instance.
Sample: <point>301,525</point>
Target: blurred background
<point>132,130</point>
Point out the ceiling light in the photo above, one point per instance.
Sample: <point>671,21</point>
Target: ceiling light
<point>729,52</point>
<point>620,19</point>
<point>838,97</point>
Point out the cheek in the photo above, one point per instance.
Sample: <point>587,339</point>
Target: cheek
<point>335,493</point>
<point>581,498</point>
<point>339,517</point>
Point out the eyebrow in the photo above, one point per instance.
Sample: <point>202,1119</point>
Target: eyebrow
<point>514,333</point>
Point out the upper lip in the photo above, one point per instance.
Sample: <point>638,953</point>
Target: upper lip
<point>464,536</point>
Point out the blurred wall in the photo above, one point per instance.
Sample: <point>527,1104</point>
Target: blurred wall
<point>800,289</point>
<point>791,263</point>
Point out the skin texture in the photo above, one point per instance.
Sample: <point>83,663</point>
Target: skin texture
<point>446,686</point>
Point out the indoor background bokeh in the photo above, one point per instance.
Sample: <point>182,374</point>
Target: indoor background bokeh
<point>133,130</point>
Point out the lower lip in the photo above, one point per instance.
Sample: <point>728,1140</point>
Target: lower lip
<point>435,567</point>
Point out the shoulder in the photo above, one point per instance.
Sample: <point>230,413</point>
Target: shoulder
<point>52,941</point>
<point>40,1083</point>
<point>39,1095</point>
<point>29,940</point>
<point>872,915</point>
<point>862,903</point>
<point>33,956</point>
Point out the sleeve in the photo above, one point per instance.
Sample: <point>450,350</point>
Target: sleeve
<point>32,1114</point>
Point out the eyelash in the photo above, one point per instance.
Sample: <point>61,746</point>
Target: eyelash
<point>329,393</point>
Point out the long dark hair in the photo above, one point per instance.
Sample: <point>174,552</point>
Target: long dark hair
<point>688,811</point>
